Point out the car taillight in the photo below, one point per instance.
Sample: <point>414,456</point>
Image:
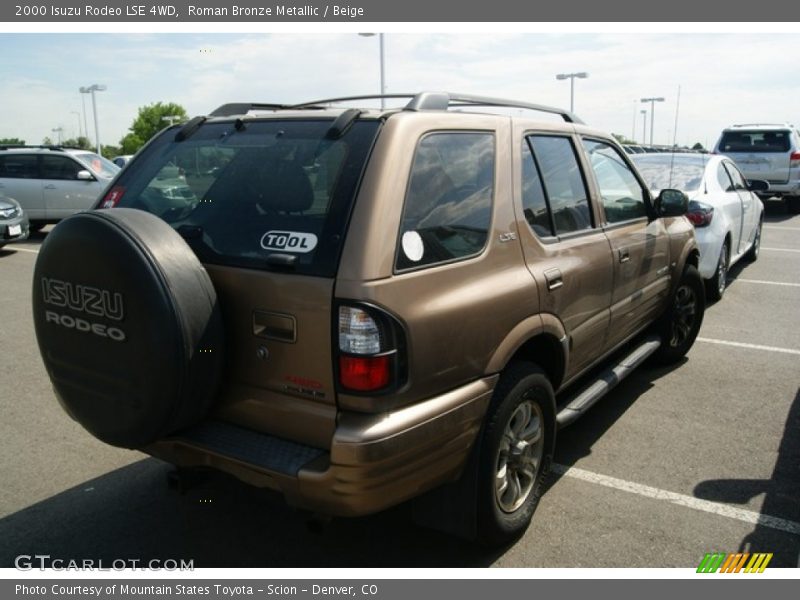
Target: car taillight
<point>368,344</point>
<point>794,159</point>
<point>700,214</point>
<point>113,197</point>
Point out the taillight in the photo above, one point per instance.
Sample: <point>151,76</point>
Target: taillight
<point>368,343</point>
<point>113,197</point>
<point>700,214</point>
<point>794,159</point>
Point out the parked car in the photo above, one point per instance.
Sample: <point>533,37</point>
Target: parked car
<point>723,206</point>
<point>362,306</point>
<point>13,221</point>
<point>51,182</point>
<point>768,152</point>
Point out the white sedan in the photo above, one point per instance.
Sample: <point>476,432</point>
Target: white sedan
<point>727,215</point>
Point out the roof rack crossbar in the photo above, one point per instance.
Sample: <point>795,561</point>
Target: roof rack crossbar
<point>242,108</point>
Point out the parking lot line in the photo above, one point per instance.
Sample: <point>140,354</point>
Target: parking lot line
<point>24,250</point>
<point>749,346</point>
<point>780,249</point>
<point>763,282</point>
<point>717,508</point>
<point>779,227</point>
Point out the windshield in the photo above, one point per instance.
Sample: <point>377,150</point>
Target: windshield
<point>661,171</point>
<point>270,194</point>
<point>99,165</point>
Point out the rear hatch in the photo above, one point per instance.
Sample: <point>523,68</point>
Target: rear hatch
<point>264,204</point>
<point>759,153</point>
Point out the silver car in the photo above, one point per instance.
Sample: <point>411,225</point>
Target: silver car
<point>768,152</point>
<point>13,222</point>
<point>51,182</point>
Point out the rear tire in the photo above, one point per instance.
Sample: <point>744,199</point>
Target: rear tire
<point>516,451</point>
<point>680,324</point>
<point>715,287</point>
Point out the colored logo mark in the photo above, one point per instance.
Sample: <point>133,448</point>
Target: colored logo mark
<point>714,562</point>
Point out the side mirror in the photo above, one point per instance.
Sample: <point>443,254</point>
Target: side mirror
<point>84,175</point>
<point>757,185</point>
<point>672,203</point>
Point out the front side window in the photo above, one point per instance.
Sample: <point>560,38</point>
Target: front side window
<point>563,183</point>
<point>60,167</point>
<point>622,196</point>
<point>448,207</point>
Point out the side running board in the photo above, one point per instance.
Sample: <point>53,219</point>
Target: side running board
<point>584,398</point>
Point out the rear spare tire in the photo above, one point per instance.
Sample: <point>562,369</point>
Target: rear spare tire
<point>128,325</point>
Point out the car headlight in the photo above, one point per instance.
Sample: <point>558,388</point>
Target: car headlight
<point>9,213</point>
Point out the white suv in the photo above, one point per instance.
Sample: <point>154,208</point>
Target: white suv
<point>51,182</point>
<point>770,152</point>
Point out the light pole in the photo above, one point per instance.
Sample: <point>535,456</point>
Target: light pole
<point>644,125</point>
<point>571,77</point>
<point>95,87</point>
<point>83,92</point>
<point>383,66</point>
<point>652,102</point>
<point>77,116</point>
<point>58,130</point>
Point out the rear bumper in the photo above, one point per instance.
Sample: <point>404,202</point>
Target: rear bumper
<point>374,461</point>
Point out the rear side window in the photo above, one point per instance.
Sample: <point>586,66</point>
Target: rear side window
<point>448,207</point>
<point>268,194</point>
<point>564,187</point>
<point>755,141</point>
<point>19,166</point>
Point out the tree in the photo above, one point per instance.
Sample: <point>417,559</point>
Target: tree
<point>81,142</point>
<point>150,120</point>
<point>11,142</point>
<point>698,146</point>
<point>622,139</point>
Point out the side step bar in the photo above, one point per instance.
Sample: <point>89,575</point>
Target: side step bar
<point>583,399</point>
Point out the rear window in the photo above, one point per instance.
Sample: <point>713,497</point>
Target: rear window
<point>755,141</point>
<point>271,194</point>
<point>662,172</point>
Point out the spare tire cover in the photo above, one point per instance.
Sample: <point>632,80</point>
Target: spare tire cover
<point>128,325</point>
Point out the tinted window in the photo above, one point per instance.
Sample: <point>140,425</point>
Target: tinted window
<point>755,141</point>
<point>534,203</point>
<point>623,197</point>
<point>239,196</point>
<point>59,167</point>
<point>738,180</point>
<point>19,166</point>
<point>448,207</point>
<point>563,183</point>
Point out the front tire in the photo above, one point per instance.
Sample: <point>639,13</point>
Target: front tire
<point>680,324</point>
<point>516,451</point>
<point>715,287</point>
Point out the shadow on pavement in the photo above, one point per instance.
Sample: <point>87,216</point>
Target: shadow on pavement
<point>131,513</point>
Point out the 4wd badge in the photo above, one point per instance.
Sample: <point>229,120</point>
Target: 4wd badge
<point>289,241</point>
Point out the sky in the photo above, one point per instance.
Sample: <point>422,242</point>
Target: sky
<point>710,80</point>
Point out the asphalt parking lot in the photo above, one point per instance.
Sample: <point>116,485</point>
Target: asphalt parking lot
<point>702,457</point>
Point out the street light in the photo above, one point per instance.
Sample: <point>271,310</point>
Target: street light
<point>171,118</point>
<point>58,130</point>
<point>383,66</point>
<point>652,102</point>
<point>95,87</point>
<point>83,92</point>
<point>571,77</point>
<point>644,126</point>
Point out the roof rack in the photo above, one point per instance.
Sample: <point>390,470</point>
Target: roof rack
<point>418,101</point>
<point>762,125</point>
<point>39,146</point>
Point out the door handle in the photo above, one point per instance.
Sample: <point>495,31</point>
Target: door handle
<point>554,279</point>
<point>624,255</point>
<point>50,186</point>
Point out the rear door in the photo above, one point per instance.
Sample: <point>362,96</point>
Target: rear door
<point>264,207</point>
<point>750,209</point>
<point>566,252</point>
<point>19,179</point>
<point>760,154</point>
<point>639,245</point>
